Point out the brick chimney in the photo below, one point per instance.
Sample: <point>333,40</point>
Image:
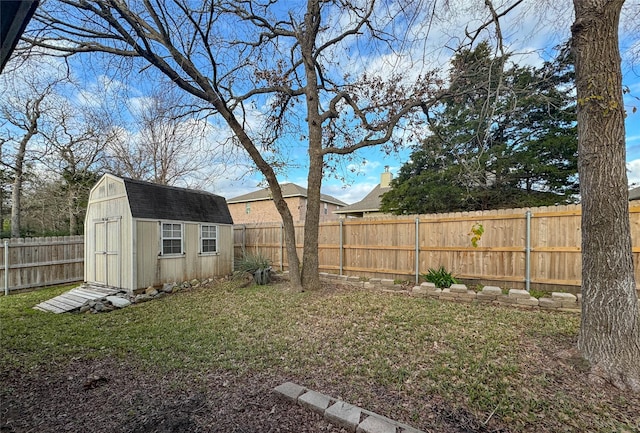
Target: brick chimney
<point>385,178</point>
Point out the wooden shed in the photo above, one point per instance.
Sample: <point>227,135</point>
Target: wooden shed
<point>139,234</point>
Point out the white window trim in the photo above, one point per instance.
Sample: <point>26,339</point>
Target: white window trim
<point>162,238</point>
<point>209,253</point>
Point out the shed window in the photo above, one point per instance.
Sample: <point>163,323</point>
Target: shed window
<point>171,238</point>
<point>209,239</point>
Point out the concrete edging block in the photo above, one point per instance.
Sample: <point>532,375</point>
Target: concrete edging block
<point>458,288</point>
<point>375,424</point>
<point>290,391</point>
<point>315,401</point>
<point>344,414</point>
<point>518,294</point>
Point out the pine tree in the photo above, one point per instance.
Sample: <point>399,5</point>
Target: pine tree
<point>503,137</point>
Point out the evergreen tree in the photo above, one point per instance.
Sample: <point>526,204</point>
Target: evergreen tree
<point>503,137</point>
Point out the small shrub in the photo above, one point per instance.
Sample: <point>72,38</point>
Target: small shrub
<point>440,277</point>
<point>538,293</point>
<point>256,265</point>
<point>475,287</point>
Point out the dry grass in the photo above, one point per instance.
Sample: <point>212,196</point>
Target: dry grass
<point>491,368</point>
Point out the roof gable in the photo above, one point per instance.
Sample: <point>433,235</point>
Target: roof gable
<point>288,190</point>
<point>153,201</point>
<point>370,203</point>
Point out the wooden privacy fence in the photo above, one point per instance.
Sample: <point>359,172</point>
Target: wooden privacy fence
<point>38,262</point>
<point>536,247</point>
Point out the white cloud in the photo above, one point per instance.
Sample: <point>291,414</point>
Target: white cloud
<point>633,172</point>
<point>349,193</point>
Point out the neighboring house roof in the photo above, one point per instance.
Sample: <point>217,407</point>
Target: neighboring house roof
<point>150,200</point>
<point>370,203</point>
<point>288,190</point>
<point>634,193</point>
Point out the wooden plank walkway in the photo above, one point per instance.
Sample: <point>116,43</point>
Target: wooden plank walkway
<point>76,298</point>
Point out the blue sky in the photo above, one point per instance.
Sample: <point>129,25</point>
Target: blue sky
<point>530,37</point>
<point>530,33</point>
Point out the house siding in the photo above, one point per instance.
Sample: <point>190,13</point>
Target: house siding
<point>264,211</point>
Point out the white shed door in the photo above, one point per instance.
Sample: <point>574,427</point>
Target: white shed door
<point>107,252</point>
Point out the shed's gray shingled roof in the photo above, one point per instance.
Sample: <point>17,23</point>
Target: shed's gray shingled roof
<point>370,203</point>
<point>150,200</point>
<point>288,190</point>
<point>634,193</point>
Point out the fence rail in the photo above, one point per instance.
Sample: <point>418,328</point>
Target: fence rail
<point>536,247</point>
<point>38,262</point>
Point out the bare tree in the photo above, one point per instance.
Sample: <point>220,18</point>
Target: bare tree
<point>25,105</point>
<point>44,206</point>
<point>285,61</point>
<point>164,143</point>
<point>610,326</point>
<point>75,145</point>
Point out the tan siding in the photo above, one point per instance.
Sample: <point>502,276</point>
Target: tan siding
<point>154,270</point>
<point>108,227</point>
<point>147,249</point>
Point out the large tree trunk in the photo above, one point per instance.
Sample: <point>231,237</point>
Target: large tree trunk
<point>73,217</point>
<point>310,276</point>
<point>16,193</point>
<point>610,327</point>
<point>16,198</point>
<point>310,261</point>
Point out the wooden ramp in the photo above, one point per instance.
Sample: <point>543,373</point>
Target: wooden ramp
<point>76,298</point>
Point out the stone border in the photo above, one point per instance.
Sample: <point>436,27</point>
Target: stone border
<point>340,413</point>
<point>121,299</point>
<point>460,293</point>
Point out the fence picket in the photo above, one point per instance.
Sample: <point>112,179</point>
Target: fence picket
<point>39,262</point>
<point>384,247</point>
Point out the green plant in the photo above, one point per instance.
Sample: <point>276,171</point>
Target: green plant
<point>440,277</point>
<point>254,264</point>
<point>538,293</point>
<point>476,234</point>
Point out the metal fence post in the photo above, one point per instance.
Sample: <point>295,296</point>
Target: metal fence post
<point>6,267</point>
<point>281,247</point>
<point>527,252</point>
<point>417,250</point>
<point>341,247</point>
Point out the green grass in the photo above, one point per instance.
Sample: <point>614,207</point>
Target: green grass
<point>485,359</point>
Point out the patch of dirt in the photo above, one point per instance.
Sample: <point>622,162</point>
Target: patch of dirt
<point>122,399</point>
<point>109,396</point>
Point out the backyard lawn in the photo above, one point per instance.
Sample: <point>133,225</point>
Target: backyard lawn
<point>206,359</point>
